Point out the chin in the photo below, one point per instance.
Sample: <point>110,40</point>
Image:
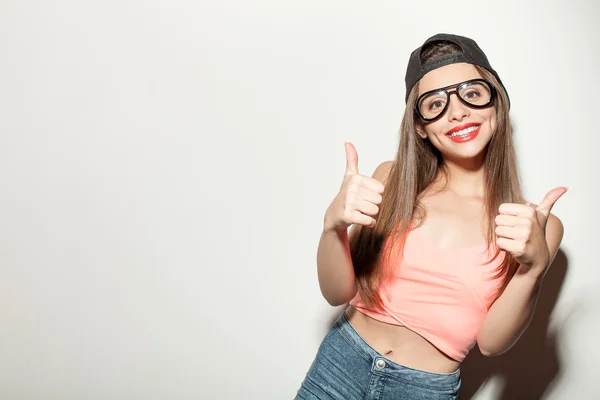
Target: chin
<point>467,151</point>
<point>470,154</point>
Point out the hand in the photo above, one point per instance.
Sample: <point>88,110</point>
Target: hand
<point>521,230</point>
<point>357,201</point>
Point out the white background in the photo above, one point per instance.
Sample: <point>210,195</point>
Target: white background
<point>165,167</point>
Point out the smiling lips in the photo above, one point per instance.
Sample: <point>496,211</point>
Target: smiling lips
<point>464,133</point>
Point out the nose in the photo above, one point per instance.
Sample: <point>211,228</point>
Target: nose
<point>456,109</point>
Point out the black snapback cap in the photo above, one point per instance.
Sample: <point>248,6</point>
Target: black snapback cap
<point>471,53</point>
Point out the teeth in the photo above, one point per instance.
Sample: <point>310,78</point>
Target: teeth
<point>464,131</point>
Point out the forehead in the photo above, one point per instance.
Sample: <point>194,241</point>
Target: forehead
<point>447,75</point>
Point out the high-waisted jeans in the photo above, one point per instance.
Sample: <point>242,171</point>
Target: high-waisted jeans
<point>347,368</point>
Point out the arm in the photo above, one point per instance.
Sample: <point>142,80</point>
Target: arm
<point>511,313</point>
<point>334,262</point>
<point>334,266</point>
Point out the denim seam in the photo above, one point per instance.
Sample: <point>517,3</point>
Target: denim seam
<point>416,384</point>
<point>370,358</point>
<point>316,385</point>
<point>353,332</point>
<point>385,379</point>
<point>358,349</point>
<point>372,383</point>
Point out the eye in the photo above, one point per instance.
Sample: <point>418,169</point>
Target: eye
<point>472,94</point>
<point>475,93</point>
<point>436,105</point>
<point>435,102</point>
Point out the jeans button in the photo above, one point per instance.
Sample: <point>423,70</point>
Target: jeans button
<point>380,364</point>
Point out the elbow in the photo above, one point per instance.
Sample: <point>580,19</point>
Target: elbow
<point>335,302</point>
<point>490,351</point>
<point>336,294</point>
<point>338,300</point>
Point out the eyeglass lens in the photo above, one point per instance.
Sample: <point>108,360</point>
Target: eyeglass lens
<point>474,93</point>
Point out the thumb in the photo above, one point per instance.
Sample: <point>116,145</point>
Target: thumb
<point>351,159</point>
<point>551,197</point>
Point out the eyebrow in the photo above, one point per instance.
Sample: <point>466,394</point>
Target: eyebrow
<point>447,87</point>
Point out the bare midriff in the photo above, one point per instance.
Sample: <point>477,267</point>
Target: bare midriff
<point>400,344</point>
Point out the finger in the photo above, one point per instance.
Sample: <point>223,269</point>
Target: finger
<point>372,184</point>
<point>512,246</point>
<point>370,196</point>
<point>351,159</point>
<point>509,232</point>
<point>520,210</point>
<point>362,219</point>
<point>508,220</point>
<point>551,197</point>
<point>364,207</point>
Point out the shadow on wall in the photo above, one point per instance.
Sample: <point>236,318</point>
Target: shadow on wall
<point>529,368</point>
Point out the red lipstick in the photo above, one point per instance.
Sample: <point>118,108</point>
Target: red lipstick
<point>470,135</point>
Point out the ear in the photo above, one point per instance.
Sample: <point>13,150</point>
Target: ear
<point>420,130</point>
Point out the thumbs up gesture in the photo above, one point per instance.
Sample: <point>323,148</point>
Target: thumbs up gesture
<point>358,199</point>
<point>521,230</point>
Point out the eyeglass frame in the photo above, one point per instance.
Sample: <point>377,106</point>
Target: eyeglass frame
<point>456,87</point>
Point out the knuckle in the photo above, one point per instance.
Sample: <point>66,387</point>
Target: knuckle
<point>347,214</point>
<point>350,197</point>
<point>352,187</point>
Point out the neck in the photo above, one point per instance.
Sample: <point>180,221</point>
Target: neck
<point>466,176</point>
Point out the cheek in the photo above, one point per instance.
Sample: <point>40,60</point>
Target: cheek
<point>491,117</point>
<point>436,129</point>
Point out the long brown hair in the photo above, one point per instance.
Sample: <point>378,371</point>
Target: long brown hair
<point>415,167</point>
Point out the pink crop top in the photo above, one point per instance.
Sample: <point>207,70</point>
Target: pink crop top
<point>441,294</point>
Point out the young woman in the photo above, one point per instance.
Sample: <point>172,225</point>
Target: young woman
<point>443,253</point>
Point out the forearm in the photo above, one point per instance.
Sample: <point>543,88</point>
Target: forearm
<point>334,267</point>
<point>511,314</point>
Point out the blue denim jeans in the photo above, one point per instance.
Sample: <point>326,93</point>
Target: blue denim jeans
<point>347,368</point>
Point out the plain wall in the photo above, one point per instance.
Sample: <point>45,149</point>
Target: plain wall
<point>165,167</point>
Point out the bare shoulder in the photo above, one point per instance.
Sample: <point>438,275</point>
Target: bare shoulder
<point>554,235</point>
<point>382,171</point>
<point>555,225</point>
